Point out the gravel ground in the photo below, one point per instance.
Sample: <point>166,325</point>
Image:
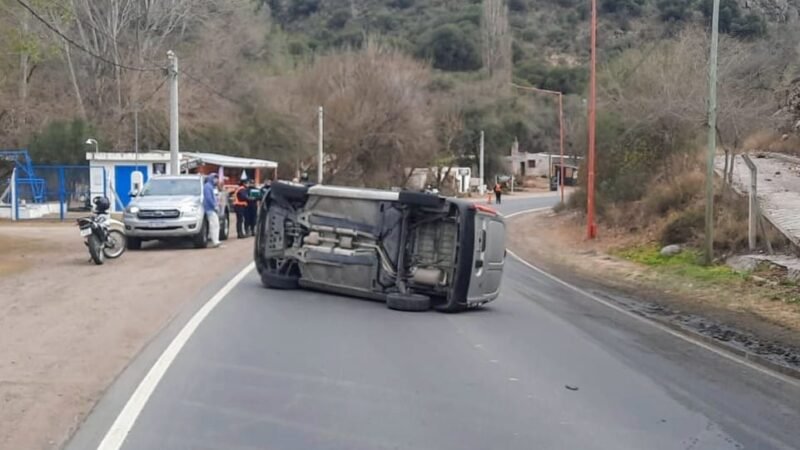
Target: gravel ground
<point>68,327</point>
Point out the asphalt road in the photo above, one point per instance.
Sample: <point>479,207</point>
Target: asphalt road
<point>542,367</point>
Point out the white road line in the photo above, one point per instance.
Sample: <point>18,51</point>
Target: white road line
<point>661,327</point>
<point>119,430</point>
<point>527,211</point>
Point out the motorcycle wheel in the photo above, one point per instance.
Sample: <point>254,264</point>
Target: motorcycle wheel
<point>96,250</point>
<point>115,244</point>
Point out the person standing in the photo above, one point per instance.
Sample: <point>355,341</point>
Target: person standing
<point>252,207</point>
<point>240,208</point>
<point>498,193</point>
<point>210,208</point>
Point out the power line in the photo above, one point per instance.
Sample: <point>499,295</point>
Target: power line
<point>82,48</point>
<point>208,87</point>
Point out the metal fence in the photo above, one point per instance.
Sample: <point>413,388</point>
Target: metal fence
<point>49,192</point>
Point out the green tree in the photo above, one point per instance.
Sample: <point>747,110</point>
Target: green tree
<point>451,48</point>
<point>61,142</point>
<point>674,10</point>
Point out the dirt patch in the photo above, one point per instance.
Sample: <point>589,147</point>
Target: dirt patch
<point>749,315</point>
<point>68,327</point>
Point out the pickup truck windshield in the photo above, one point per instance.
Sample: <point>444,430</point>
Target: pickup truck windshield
<point>172,187</point>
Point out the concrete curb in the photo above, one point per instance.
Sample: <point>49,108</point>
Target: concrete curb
<point>720,345</point>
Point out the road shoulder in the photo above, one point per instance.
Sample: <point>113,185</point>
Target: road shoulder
<point>731,317</point>
<point>73,327</point>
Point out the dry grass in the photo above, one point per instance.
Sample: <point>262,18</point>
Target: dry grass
<point>630,262</point>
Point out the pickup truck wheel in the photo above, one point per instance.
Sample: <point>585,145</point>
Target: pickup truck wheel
<point>408,302</point>
<point>200,240</point>
<point>225,227</point>
<point>273,280</point>
<point>133,243</point>
<point>419,199</point>
<point>290,191</point>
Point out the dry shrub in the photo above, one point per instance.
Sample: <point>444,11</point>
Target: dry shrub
<point>687,226</point>
<point>673,194</point>
<point>684,227</point>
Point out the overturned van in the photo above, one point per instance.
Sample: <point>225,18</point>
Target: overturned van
<point>413,250</point>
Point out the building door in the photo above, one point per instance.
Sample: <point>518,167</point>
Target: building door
<point>123,181</point>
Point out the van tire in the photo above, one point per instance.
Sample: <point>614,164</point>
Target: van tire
<point>290,191</point>
<point>271,280</point>
<point>408,302</point>
<point>419,199</point>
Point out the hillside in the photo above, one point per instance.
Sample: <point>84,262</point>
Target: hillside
<point>254,71</point>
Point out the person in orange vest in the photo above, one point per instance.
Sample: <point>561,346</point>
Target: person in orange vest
<point>240,208</point>
<point>498,192</point>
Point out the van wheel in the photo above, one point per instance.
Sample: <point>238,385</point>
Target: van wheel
<point>408,302</point>
<point>419,199</point>
<point>272,280</point>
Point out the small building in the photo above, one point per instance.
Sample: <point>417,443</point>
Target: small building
<point>455,178</point>
<point>525,164</point>
<point>118,174</point>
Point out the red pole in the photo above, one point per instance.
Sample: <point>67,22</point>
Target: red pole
<point>561,137</point>
<point>591,227</point>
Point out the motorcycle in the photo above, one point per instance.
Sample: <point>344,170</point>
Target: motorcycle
<point>102,234</point>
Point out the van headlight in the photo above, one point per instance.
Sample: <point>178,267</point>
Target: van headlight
<point>132,209</point>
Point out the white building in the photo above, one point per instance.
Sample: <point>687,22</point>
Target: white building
<point>116,174</point>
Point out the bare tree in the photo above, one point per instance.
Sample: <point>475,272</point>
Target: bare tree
<point>377,118</point>
<point>496,39</point>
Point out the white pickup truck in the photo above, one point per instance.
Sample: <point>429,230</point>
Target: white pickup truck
<point>171,207</point>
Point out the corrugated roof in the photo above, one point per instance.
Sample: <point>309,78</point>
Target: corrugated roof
<point>225,160</point>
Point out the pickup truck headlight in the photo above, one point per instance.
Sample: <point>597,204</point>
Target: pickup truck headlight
<point>190,209</point>
<point>132,209</point>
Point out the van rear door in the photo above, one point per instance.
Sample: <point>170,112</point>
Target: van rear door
<point>489,256</point>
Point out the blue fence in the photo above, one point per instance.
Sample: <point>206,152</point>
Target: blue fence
<point>53,191</point>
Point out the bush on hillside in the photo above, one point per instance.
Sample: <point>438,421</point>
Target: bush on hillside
<point>61,142</point>
<point>750,26</point>
<point>518,6</point>
<point>674,10</point>
<point>673,195</point>
<point>339,19</point>
<point>453,48</point>
<point>622,7</point>
<point>302,8</point>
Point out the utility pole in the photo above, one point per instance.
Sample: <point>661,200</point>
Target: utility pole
<point>561,141</point>
<point>319,149</point>
<point>136,133</point>
<point>708,255</point>
<point>591,227</point>
<point>174,150</point>
<point>482,187</point>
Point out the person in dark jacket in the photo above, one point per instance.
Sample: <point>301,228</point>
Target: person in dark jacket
<point>240,208</point>
<point>251,211</point>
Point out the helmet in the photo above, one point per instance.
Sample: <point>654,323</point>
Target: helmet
<point>101,204</point>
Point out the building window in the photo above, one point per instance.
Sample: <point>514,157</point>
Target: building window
<point>532,163</point>
<point>159,168</point>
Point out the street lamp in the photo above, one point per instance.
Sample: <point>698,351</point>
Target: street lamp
<point>91,141</point>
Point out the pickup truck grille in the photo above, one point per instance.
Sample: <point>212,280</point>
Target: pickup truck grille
<point>159,214</point>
